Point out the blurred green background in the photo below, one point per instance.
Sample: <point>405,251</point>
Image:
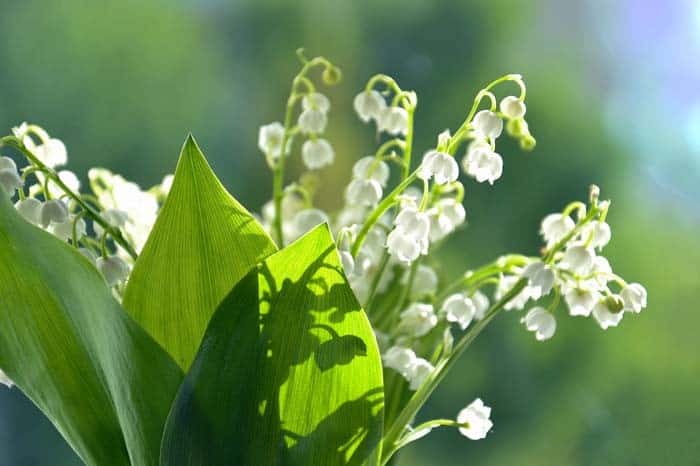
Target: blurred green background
<point>613,98</point>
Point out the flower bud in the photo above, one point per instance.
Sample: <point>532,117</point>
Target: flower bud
<point>331,75</point>
<point>512,107</point>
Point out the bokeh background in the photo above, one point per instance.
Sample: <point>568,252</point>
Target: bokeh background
<point>613,98</point>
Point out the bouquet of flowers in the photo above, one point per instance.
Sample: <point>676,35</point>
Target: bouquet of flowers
<point>171,326</point>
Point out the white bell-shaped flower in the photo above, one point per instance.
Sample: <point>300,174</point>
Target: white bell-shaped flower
<point>7,163</point>
<point>540,277</point>
<point>113,269</point>
<point>581,301</point>
<point>512,107</point>
<point>482,163</point>
<point>316,101</point>
<point>403,246</point>
<point>439,165</point>
<point>481,304</point>
<point>555,227</point>
<point>413,221</point>
<point>476,420</point>
<point>369,105</point>
<point>458,309</point>
<point>418,319</point>
<point>5,380</point>
<point>394,120</point>
<point>317,153</point>
<point>53,211</point>
<point>30,210</point>
<point>270,139</point>
<point>540,321</point>
<point>634,297</point>
<point>399,359</point>
<point>445,217</point>
<point>425,282</point>
<point>578,258</point>
<point>10,181</point>
<point>487,124</point>
<point>419,373</point>
<point>52,153</point>
<point>312,121</point>
<point>605,316</point>
<point>362,191</point>
<point>599,233</point>
<point>371,167</point>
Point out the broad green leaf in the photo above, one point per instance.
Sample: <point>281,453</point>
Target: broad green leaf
<point>288,373</point>
<point>202,244</point>
<point>104,383</point>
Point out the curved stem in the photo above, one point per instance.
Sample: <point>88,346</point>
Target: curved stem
<point>421,396</point>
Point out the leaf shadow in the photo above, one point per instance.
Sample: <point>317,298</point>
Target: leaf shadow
<point>251,397</point>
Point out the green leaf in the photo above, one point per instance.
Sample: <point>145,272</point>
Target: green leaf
<point>104,383</point>
<point>288,373</point>
<point>202,244</point>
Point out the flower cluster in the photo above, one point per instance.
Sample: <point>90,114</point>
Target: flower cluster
<point>394,216</point>
<point>109,225</point>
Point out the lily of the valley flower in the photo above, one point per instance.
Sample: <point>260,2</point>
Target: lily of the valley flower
<point>459,309</point>
<point>541,322</point>
<point>9,177</point>
<point>409,238</point>
<point>363,192</point>
<point>369,105</point>
<point>53,211</point>
<point>317,153</point>
<point>418,319</point>
<point>270,139</point>
<point>555,227</point>
<point>440,166</point>
<point>512,107</point>
<point>113,269</point>
<point>371,167</point>
<point>445,217</point>
<point>476,420</point>
<point>312,121</point>
<point>487,124</point>
<point>607,313</point>
<point>482,162</point>
<point>634,297</point>
<point>30,210</point>
<point>394,120</point>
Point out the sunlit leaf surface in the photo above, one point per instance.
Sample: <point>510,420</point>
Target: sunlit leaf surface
<point>288,372</point>
<point>202,244</point>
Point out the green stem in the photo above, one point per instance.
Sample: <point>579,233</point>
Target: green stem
<point>419,398</point>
